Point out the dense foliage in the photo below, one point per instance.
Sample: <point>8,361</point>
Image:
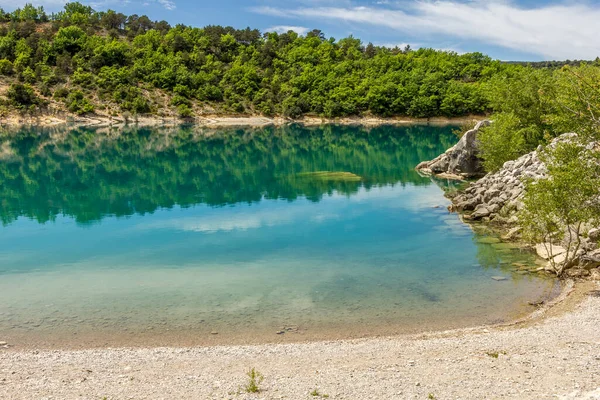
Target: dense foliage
<point>559,210</point>
<point>117,63</point>
<point>534,106</point>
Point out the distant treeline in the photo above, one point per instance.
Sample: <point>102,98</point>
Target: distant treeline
<point>554,64</point>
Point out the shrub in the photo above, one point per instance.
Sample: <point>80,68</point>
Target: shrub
<point>78,104</point>
<point>184,111</point>
<point>6,67</point>
<point>131,99</point>
<point>22,95</point>
<point>178,100</point>
<point>28,75</point>
<point>255,378</point>
<point>502,141</point>
<point>82,78</point>
<point>61,93</point>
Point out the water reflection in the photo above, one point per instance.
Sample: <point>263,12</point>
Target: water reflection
<point>88,174</point>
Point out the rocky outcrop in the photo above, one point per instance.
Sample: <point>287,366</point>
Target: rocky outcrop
<point>498,196</point>
<point>460,161</point>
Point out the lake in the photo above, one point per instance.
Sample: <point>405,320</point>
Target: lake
<point>196,236</point>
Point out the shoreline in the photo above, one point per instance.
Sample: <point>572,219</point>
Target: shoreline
<point>559,300</point>
<point>222,121</point>
<point>548,355</point>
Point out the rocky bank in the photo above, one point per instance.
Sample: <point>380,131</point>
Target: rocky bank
<point>497,197</point>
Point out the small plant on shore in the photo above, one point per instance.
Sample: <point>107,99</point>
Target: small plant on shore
<point>495,354</point>
<point>255,378</point>
<point>315,393</point>
<point>431,396</point>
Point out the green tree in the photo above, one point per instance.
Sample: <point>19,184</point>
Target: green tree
<point>558,208</point>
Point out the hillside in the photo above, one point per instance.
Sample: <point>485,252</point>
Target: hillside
<point>80,61</point>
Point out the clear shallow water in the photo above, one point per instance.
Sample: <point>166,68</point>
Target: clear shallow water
<point>113,237</point>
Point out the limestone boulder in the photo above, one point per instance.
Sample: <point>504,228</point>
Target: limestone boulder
<point>460,160</point>
<point>547,250</point>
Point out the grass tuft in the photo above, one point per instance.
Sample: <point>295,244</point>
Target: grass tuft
<point>255,378</point>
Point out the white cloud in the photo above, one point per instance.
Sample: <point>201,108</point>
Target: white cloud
<point>300,30</point>
<point>554,31</point>
<point>168,4</point>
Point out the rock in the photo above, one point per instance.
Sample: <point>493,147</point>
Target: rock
<point>590,260</point>
<point>460,160</point>
<point>468,205</point>
<point>499,278</point>
<point>280,332</point>
<point>214,333</point>
<point>547,250</point>
<point>594,234</point>
<point>494,208</point>
<point>480,212</point>
<point>450,176</point>
<point>512,234</point>
<point>492,194</point>
<point>559,259</point>
<point>577,273</point>
<point>3,343</point>
<point>595,274</point>
<point>423,165</point>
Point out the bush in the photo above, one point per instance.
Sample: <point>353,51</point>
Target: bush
<point>184,111</point>
<point>140,105</point>
<point>45,90</point>
<point>78,104</point>
<point>131,99</point>
<point>61,93</point>
<point>502,141</point>
<point>6,67</point>
<point>83,78</point>
<point>28,75</point>
<point>22,95</point>
<point>178,100</point>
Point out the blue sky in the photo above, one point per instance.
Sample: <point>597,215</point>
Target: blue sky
<point>508,30</point>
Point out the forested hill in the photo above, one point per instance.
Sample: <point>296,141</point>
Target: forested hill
<point>83,61</point>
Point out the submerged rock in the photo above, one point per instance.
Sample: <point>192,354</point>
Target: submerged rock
<point>459,161</point>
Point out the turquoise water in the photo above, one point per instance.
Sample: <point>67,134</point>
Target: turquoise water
<point>179,234</point>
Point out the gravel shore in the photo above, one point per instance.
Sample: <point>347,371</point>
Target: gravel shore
<point>555,357</point>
